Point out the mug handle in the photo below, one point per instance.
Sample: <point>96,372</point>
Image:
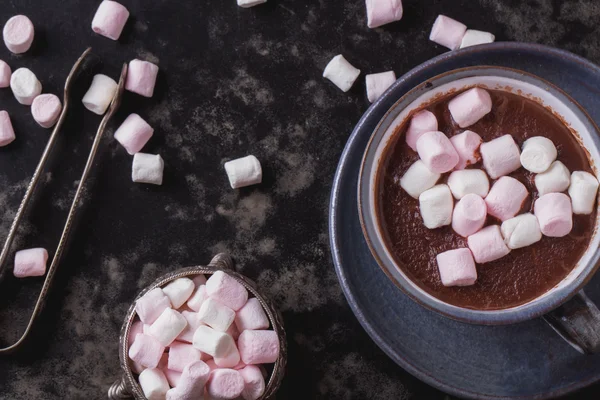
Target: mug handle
<point>118,390</point>
<point>578,322</point>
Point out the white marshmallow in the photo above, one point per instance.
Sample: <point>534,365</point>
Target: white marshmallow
<point>198,298</point>
<point>341,73</point>
<point>555,179</point>
<point>154,384</point>
<point>466,145</point>
<point>417,179</point>
<point>421,122</point>
<point>500,156</point>
<point>18,34</point>
<point>537,154</point>
<point>243,171</point>
<point>447,32</point>
<point>216,315</point>
<point>230,360</point>
<point>100,94</point>
<point>381,12</point>
<point>474,37</point>
<point>582,190</point>
<point>167,327</point>
<point>377,84</point>
<point>436,206</point>
<point>468,181</point>
<point>250,3</point>
<point>179,291</point>
<point>25,86</point>
<point>469,107</point>
<point>147,168</point>
<point>213,342</point>
<point>520,231</point>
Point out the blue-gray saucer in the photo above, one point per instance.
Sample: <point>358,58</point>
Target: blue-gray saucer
<point>521,361</point>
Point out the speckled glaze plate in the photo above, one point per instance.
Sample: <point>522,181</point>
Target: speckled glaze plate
<point>520,361</point>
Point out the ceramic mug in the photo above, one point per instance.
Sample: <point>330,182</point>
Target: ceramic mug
<point>565,307</point>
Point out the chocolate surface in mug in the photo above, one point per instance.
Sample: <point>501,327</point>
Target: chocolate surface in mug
<point>525,273</point>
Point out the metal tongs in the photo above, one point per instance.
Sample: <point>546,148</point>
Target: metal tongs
<point>114,105</point>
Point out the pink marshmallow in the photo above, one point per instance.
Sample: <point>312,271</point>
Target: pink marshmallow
<point>233,331</point>
<point>151,305</point>
<point>457,267</point>
<point>141,77</point>
<point>18,34</point>
<point>447,32</point>
<point>199,280</point>
<point>421,122</point>
<point>469,215</point>
<point>136,327</point>
<point>554,214</point>
<point>254,382</point>
<point>146,351</point>
<point>437,152</point>
<point>5,73</point>
<point>7,133</point>
<point>487,245</point>
<point>134,133</point>
<point>172,377</point>
<point>501,156</point>
<point>506,198</point>
<point>226,290</point>
<point>187,335</point>
<point>110,19</point>
<point>46,109</point>
<point>190,385</point>
<point>199,296</point>
<point>466,145</point>
<point>30,262</point>
<point>258,347</point>
<point>251,316</point>
<point>470,106</point>
<point>382,12</point>
<point>225,384</point>
<point>181,355</point>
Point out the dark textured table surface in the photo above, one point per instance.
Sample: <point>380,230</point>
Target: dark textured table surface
<point>233,82</point>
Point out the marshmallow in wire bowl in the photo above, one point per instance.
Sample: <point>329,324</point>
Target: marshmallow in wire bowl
<point>224,340</point>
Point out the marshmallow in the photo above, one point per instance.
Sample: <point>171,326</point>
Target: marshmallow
<point>7,133</point>
<point>243,171</point>
<point>25,86</point>
<point>468,181</point>
<point>151,305</point>
<point>506,198</point>
<point>341,73</point>
<point>199,280</point>
<point>5,73</point>
<point>554,214</point>
<point>233,331</point>
<point>30,262</point>
<point>110,19</point>
<point>251,316</point>
<point>500,156</point>
<point>187,335</point>
<point>466,145</point>
<point>418,178</point>
<point>168,326</point>
<point>457,267</point>
<point>487,245</point>
<point>377,84</point>
<point>146,350</point>
<point>421,122</point>
<point>469,215</point>
<point>258,347</point>
<point>179,291</point>
<point>583,189</point>
<point>435,206</point>
<point>469,107</point>
<point>474,37</point>
<point>555,179</point>
<point>212,342</point>
<point>141,77</point>
<point>181,355</point>
<point>537,154</point>
<point>172,377</point>
<point>18,34</point>
<point>216,315</point>
<point>190,386</point>
<point>230,360</point>
<point>437,152</point>
<point>100,94</point>
<point>447,32</point>
<point>226,290</point>
<point>154,384</point>
<point>148,168</point>
<point>195,302</point>
<point>134,133</point>
<point>254,382</point>
<point>225,384</point>
<point>382,12</point>
<point>136,327</point>
<point>46,109</point>
<point>250,3</point>
<point>520,231</point>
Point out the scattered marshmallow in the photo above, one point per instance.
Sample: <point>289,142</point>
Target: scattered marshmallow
<point>243,172</point>
<point>30,262</point>
<point>25,86</point>
<point>377,84</point>
<point>382,12</point>
<point>506,197</point>
<point>198,298</point>
<point>500,156</point>
<point>254,382</point>
<point>466,145</point>
<point>146,350</point>
<point>230,360</point>
<point>147,168</point>
<point>436,206</point>
<point>469,215</point>
<point>554,214</point>
<point>191,383</point>
<point>167,326</point>
<point>110,19</point>
<point>466,181</point>
<point>521,231</point>
<point>487,245</point>
<point>101,92</point>
<point>5,73</point>
<point>457,267</point>
<point>250,3</point>
<point>141,77</point>
<point>216,315</point>
<point>226,290</point>
<point>469,107</point>
<point>258,347</point>
<point>418,178</point>
<point>341,73</point>
<point>437,152</point>
<point>251,316</point>
<point>187,335</point>
<point>134,133</point>
<point>18,34</point>
<point>211,341</point>
<point>421,122</point>
<point>181,355</point>
<point>537,154</point>
<point>225,384</point>
<point>46,109</point>
<point>151,305</point>
<point>447,32</point>
<point>583,189</point>
<point>179,291</point>
<point>555,179</point>
<point>7,133</point>
<point>474,37</point>
<point>154,384</point>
